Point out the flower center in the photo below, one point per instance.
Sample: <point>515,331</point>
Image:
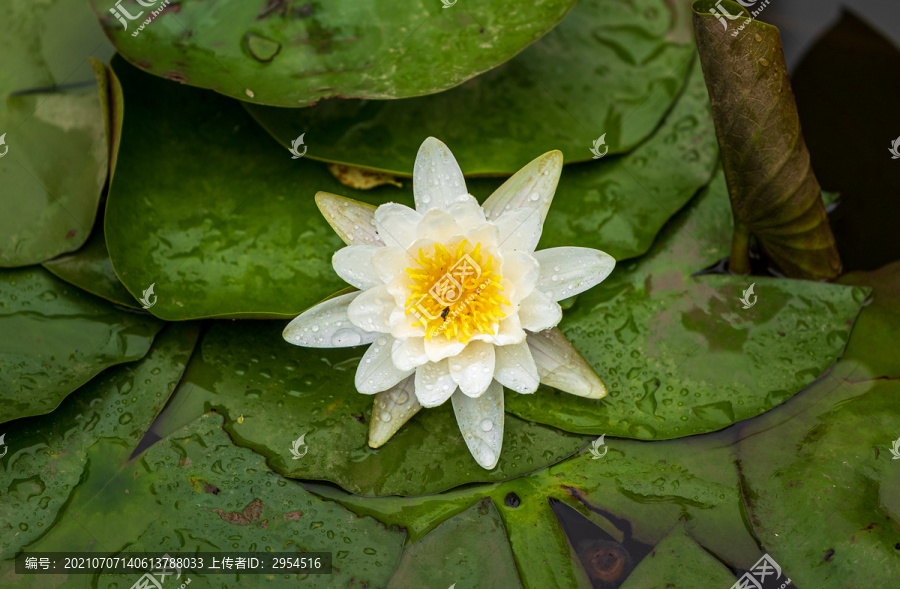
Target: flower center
<point>455,292</point>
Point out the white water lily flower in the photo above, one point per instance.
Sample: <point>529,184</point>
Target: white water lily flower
<point>454,299</point>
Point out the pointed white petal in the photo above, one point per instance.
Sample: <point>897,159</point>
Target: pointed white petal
<point>561,366</point>
<point>520,230</point>
<point>440,226</point>
<point>480,422</point>
<point>522,270</point>
<point>433,383</point>
<point>376,371</point>
<point>532,187</point>
<point>467,212</point>
<point>567,271</point>
<point>391,263</point>
<point>515,369</point>
<point>537,312</point>
<point>354,264</point>
<point>326,325</point>
<point>353,221</point>
<point>396,224</point>
<point>371,310</point>
<point>392,408</point>
<point>409,353</point>
<point>439,347</point>
<point>473,368</point>
<point>437,179</point>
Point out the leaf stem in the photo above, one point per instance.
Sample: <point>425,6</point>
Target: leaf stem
<point>739,262</point>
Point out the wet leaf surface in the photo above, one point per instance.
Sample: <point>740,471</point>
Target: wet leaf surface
<point>56,338</point>
<point>678,563</point>
<point>873,343</point>
<point>246,369</point>
<point>224,222</point>
<point>774,192</point>
<point>680,354</point>
<point>52,134</point>
<point>46,454</point>
<point>610,68</point>
<point>292,54</point>
<point>827,509</point>
<point>449,556</point>
<point>156,503</point>
<point>636,490</point>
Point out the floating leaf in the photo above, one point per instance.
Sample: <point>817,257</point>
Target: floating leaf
<point>873,342</point>
<point>774,193</point>
<point>284,391</point>
<point>218,498</point>
<point>609,68</point>
<point>47,453</point>
<point>469,549</point>
<point>52,129</point>
<point>292,54</point>
<point>56,338</point>
<point>679,354</point>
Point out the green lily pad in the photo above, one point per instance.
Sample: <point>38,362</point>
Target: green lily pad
<point>635,489</point>
<point>680,354</point>
<point>288,54</point>
<point>231,228</point>
<point>449,556</point>
<point>873,342</point>
<point>90,269</point>
<point>609,69</point>
<point>827,508</point>
<point>56,338</point>
<point>53,141</point>
<point>197,492</point>
<point>678,563</point>
<point>45,455</point>
<point>274,393</point>
<point>774,192</point>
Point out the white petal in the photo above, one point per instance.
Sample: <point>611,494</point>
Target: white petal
<point>437,179</point>
<point>473,368</point>
<point>561,366</point>
<point>354,264</point>
<point>520,230</point>
<point>392,408</point>
<point>532,187</point>
<point>467,212</point>
<point>522,270</point>
<point>402,325</point>
<point>353,221</point>
<point>537,312</point>
<point>510,332</point>
<point>396,224</point>
<point>439,347</point>
<point>371,310</point>
<point>480,422</point>
<point>440,226</point>
<point>391,263</point>
<point>376,371</point>
<point>515,369</point>
<point>409,353</point>
<point>433,383</point>
<point>567,271</point>
<point>326,325</point>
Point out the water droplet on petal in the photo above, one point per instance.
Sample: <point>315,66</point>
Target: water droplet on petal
<point>487,425</point>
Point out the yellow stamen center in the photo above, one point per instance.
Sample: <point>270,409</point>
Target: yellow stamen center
<point>455,293</point>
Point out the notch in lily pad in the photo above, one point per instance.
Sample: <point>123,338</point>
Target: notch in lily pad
<point>261,48</point>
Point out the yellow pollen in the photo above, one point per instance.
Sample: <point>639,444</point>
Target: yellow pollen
<point>455,293</point>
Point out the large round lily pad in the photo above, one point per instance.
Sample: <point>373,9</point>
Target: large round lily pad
<point>294,54</point>
<point>56,338</point>
<point>610,69</point>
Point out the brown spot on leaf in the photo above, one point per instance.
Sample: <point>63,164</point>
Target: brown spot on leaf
<point>71,234</point>
<point>294,515</point>
<point>176,76</point>
<point>829,555</point>
<point>251,513</point>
